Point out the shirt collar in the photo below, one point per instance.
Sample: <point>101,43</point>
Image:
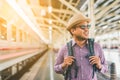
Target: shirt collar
<point>74,43</point>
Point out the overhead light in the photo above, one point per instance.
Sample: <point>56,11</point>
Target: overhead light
<point>49,9</point>
<point>50,21</point>
<point>43,13</point>
<point>104,27</point>
<point>50,34</point>
<point>119,21</point>
<point>50,28</point>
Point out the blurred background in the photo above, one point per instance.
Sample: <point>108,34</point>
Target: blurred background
<point>32,31</point>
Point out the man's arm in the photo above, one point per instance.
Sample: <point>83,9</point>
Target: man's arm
<point>58,67</point>
<point>63,61</point>
<point>99,60</point>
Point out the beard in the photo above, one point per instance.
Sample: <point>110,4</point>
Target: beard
<point>80,38</point>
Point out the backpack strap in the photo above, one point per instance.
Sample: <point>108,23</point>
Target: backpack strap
<point>92,53</point>
<point>70,50</point>
<point>91,46</point>
<point>70,53</point>
<point>68,71</point>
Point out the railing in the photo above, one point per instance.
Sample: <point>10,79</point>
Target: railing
<point>13,69</point>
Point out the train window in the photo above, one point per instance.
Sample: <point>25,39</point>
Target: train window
<point>3,29</point>
<point>3,32</point>
<point>20,31</point>
<point>25,35</point>
<point>13,33</point>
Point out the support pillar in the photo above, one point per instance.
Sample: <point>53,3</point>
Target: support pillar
<point>92,17</point>
<point>9,32</point>
<point>17,35</point>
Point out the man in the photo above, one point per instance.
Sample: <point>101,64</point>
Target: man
<point>78,26</point>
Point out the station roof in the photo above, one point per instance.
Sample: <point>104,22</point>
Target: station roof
<point>52,15</point>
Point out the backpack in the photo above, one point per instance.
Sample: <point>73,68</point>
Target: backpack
<point>70,53</point>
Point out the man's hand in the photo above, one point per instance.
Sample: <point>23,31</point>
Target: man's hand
<point>67,61</point>
<point>95,60</point>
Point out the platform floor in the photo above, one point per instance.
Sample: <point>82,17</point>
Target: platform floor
<point>43,69</point>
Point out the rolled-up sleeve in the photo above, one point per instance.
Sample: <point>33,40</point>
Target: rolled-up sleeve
<point>59,60</point>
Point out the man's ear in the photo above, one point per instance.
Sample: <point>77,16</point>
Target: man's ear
<point>72,30</point>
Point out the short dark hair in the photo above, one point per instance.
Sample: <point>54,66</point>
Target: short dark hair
<point>72,28</point>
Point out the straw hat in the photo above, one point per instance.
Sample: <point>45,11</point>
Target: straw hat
<point>75,19</point>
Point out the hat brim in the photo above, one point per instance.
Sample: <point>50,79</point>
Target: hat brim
<point>77,22</point>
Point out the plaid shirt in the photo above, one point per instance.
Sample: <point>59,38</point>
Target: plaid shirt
<point>85,69</point>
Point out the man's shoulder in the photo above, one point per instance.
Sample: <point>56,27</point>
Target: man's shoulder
<point>64,47</point>
<point>97,45</point>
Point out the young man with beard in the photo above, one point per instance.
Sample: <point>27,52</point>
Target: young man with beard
<point>81,64</point>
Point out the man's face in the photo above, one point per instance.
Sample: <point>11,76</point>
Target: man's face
<point>81,32</point>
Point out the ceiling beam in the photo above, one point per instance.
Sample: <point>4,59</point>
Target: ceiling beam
<point>60,20</point>
<point>64,15</point>
<point>82,4</point>
<point>63,11</point>
<point>100,14</point>
<point>46,19</point>
<point>69,6</point>
<point>53,26</point>
<point>53,9</point>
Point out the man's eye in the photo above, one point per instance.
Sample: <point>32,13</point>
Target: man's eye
<point>82,26</point>
<point>88,26</point>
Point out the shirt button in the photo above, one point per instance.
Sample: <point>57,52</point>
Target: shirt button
<point>82,75</point>
<point>81,58</point>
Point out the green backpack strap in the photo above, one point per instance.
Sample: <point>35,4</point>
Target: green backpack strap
<point>70,50</point>
<point>70,53</point>
<point>92,53</point>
